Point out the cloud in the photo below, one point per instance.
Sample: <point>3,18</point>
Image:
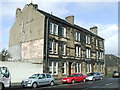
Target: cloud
<point>110,34</point>
<point>61,9</point>
<point>61,0</point>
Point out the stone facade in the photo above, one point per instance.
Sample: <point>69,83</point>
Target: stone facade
<point>58,45</point>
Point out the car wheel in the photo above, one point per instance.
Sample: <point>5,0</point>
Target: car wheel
<point>93,79</point>
<point>34,85</point>
<point>1,86</point>
<point>73,81</point>
<point>52,83</point>
<point>84,80</point>
<point>101,78</point>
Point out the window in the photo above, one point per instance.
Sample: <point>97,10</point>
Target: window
<point>87,39</point>
<point>50,46</point>
<point>55,47</point>
<point>63,68</point>
<point>77,36</point>
<point>88,68</point>
<point>100,44</point>
<point>55,68</point>
<point>53,28</point>
<point>63,48</point>
<point>97,54</point>
<point>88,53</point>
<point>78,68</point>
<point>101,55</point>
<point>42,76</point>
<point>96,42</point>
<point>63,32</point>
<point>55,32</point>
<point>50,68</point>
<point>48,76</point>
<point>78,51</point>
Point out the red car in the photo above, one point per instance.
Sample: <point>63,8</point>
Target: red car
<point>74,77</point>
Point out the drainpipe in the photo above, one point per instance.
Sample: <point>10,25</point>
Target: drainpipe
<point>46,60</point>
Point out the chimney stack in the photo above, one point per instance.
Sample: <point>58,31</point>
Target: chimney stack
<point>18,11</point>
<point>70,19</point>
<point>94,30</point>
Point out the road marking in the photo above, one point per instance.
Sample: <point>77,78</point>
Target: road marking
<point>108,83</point>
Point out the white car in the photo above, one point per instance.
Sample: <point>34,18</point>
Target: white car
<point>5,78</point>
<point>38,80</point>
<point>94,76</point>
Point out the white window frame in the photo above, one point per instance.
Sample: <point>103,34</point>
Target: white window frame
<point>64,49</point>
<point>77,36</point>
<point>56,68</point>
<point>51,68</point>
<point>55,32</point>
<point>96,41</point>
<point>78,51</point>
<point>88,68</point>
<point>97,54</point>
<point>87,39</point>
<point>63,31</point>
<point>51,28</point>
<point>88,53</point>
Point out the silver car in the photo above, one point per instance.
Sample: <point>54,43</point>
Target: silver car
<point>94,76</point>
<point>37,80</point>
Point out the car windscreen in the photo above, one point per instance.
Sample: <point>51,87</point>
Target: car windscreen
<point>90,74</point>
<point>34,76</point>
<point>4,71</point>
<point>72,75</point>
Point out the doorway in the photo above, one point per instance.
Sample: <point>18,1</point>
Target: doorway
<point>70,63</point>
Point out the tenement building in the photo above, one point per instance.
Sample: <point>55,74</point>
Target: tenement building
<point>58,46</point>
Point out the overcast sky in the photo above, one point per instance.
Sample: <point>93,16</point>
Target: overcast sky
<point>101,13</point>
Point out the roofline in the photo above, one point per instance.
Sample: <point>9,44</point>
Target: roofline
<point>67,23</point>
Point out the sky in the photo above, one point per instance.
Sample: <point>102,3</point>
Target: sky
<point>87,13</point>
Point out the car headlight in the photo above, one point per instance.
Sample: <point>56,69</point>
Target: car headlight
<point>68,79</point>
<point>30,81</point>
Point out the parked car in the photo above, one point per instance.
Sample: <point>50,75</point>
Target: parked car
<point>38,79</point>
<point>94,76</point>
<point>5,78</point>
<point>116,74</point>
<point>74,77</point>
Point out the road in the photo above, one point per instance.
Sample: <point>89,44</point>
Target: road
<point>107,83</point>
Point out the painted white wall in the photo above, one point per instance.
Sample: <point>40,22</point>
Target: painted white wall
<point>21,70</point>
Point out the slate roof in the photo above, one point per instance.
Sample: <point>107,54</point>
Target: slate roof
<point>67,23</point>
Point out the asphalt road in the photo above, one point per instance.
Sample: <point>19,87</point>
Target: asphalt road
<point>107,83</point>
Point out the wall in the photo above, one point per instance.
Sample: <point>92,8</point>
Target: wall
<point>21,70</point>
<point>27,35</point>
